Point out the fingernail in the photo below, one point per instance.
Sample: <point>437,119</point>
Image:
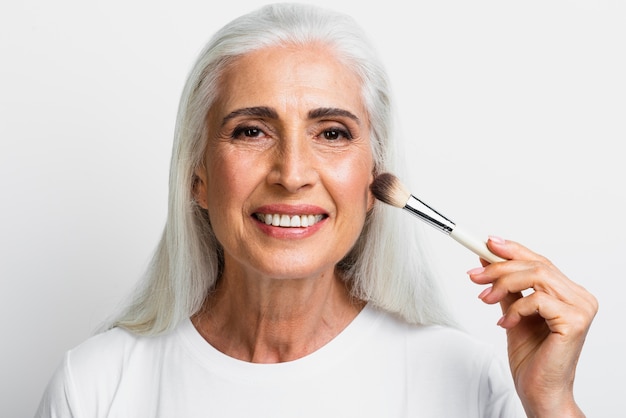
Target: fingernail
<point>476,270</point>
<point>500,321</point>
<point>485,292</point>
<point>496,240</point>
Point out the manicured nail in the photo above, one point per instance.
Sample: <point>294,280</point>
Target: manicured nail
<point>496,240</point>
<point>476,270</point>
<point>485,292</point>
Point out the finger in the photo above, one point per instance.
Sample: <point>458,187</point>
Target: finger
<point>512,250</point>
<point>560,317</point>
<point>519,276</point>
<point>508,300</point>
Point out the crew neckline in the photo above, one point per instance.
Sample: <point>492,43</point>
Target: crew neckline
<point>327,356</point>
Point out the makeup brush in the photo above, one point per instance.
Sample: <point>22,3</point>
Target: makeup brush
<point>388,189</point>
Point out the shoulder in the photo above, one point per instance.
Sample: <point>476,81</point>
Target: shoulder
<point>429,336</point>
<point>98,364</point>
<point>108,350</point>
<point>87,371</point>
<point>92,372</point>
<point>435,360</point>
<point>105,358</point>
<point>441,347</point>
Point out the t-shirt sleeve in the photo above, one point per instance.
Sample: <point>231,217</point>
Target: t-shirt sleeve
<point>57,401</point>
<point>497,392</point>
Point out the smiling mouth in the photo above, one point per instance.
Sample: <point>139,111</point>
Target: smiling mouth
<point>286,221</point>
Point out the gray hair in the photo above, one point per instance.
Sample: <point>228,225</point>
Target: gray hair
<point>386,267</point>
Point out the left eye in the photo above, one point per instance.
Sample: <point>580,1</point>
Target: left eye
<point>335,134</point>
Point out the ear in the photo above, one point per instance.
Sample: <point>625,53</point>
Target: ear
<point>198,188</point>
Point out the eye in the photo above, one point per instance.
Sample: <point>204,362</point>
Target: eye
<point>243,132</point>
<point>335,134</point>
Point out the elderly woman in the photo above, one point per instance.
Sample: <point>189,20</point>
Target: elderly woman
<point>281,288</point>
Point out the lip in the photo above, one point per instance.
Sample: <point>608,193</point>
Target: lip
<point>291,210</point>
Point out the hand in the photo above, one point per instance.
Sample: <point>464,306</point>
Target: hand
<point>546,328</point>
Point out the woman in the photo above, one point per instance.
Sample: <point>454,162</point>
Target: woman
<point>281,288</point>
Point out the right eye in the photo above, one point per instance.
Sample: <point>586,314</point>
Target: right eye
<point>246,132</point>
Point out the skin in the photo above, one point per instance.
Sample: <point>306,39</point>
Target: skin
<point>545,330</point>
<point>274,147</point>
<point>289,135</point>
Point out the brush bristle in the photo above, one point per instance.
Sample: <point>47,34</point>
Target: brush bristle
<point>388,189</point>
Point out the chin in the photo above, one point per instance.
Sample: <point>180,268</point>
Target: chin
<point>286,269</point>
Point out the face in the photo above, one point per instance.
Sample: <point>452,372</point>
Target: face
<point>288,163</point>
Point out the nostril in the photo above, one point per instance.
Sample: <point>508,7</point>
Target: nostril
<point>293,175</point>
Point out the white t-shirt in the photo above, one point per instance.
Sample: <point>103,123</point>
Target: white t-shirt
<point>379,366</point>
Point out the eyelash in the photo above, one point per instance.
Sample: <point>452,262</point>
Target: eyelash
<point>339,131</point>
<point>240,131</point>
<point>252,131</point>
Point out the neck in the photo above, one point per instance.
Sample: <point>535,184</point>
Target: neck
<point>275,320</point>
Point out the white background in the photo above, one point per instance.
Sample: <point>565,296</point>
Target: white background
<point>515,114</point>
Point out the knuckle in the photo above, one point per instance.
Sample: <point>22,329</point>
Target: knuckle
<point>579,322</point>
<point>594,304</point>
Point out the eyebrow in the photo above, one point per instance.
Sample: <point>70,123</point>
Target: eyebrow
<point>258,111</point>
<point>270,113</point>
<point>324,112</point>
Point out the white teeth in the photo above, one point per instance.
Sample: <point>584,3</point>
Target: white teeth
<point>285,221</point>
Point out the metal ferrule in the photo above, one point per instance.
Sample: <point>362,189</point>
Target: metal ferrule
<point>429,215</point>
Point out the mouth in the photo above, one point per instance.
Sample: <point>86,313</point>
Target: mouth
<point>289,221</point>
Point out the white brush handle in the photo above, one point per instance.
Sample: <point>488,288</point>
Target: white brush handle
<point>475,245</point>
<point>429,215</point>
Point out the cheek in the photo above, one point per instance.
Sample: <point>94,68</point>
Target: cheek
<point>231,179</point>
<point>223,184</point>
<point>353,178</point>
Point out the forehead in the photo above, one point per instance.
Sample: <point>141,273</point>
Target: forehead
<point>309,75</point>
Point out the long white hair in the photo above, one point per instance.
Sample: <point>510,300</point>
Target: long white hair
<point>387,266</point>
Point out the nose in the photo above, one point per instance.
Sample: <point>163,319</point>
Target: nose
<point>293,165</point>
